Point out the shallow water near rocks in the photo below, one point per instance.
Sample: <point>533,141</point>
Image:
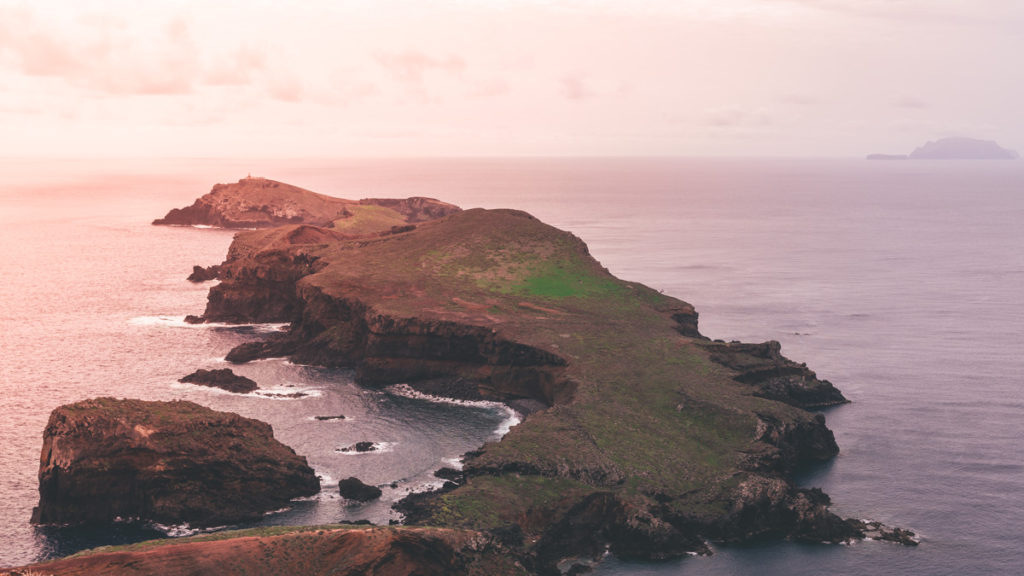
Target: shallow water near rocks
<point>899,282</point>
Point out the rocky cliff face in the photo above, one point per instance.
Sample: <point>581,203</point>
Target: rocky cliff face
<point>264,203</point>
<point>654,438</point>
<point>168,462</point>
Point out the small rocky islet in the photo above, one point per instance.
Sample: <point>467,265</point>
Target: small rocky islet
<point>643,437</point>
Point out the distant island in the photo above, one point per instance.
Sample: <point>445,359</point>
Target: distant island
<point>954,148</point>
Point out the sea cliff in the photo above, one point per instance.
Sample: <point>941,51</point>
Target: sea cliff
<point>106,460</point>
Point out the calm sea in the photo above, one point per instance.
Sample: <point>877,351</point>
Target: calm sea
<point>901,282</point>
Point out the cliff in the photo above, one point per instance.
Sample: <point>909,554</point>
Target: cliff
<point>653,438</point>
<point>168,462</point>
<point>263,203</point>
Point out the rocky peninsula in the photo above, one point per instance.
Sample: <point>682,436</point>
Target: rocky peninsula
<point>167,462</point>
<point>640,435</point>
<point>652,439</point>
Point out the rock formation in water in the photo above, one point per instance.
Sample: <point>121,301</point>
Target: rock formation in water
<point>263,203</point>
<point>168,462</point>
<point>954,148</point>
<point>223,378</point>
<point>353,488</point>
<point>650,439</point>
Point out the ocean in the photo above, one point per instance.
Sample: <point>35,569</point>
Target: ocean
<point>900,282</point>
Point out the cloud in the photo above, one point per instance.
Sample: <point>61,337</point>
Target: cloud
<point>90,54</point>
<point>575,88</point>
<point>285,87</point>
<point>410,66</point>
<point>727,117</point>
<point>236,69</point>
<point>910,103</point>
<point>489,88</point>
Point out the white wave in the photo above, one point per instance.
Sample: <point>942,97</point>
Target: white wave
<point>455,463</point>
<point>179,322</point>
<point>284,392</point>
<point>511,419</point>
<point>180,530</point>
<point>511,416</point>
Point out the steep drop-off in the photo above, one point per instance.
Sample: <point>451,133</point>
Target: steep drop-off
<point>167,462</point>
<point>653,438</point>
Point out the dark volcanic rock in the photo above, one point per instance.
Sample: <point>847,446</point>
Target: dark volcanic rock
<point>774,376</point>
<point>360,447</point>
<point>168,462</point>
<point>223,378</point>
<point>451,474</point>
<point>200,274</point>
<point>352,488</point>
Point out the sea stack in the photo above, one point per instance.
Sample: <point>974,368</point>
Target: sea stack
<point>168,462</point>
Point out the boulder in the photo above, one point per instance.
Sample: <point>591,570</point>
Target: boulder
<point>222,378</point>
<point>169,462</point>
<point>352,488</point>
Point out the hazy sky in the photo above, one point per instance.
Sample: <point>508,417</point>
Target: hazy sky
<point>506,77</point>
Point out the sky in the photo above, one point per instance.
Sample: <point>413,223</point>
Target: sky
<point>318,78</point>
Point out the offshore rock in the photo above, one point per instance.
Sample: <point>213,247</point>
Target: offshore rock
<point>352,488</point>
<point>222,378</point>
<point>204,274</point>
<point>168,462</point>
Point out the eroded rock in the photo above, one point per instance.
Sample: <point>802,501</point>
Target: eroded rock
<point>168,462</point>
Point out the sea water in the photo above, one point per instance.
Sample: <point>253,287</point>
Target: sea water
<point>901,282</point>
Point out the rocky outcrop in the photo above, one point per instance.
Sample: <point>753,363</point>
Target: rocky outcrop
<point>352,488</point>
<point>167,462</point>
<point>264,203</point>
<point>773,376</point>
<point>320,551</point>
<point>363,446</point>
<point>223,378</point>
<point>204,274</point>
